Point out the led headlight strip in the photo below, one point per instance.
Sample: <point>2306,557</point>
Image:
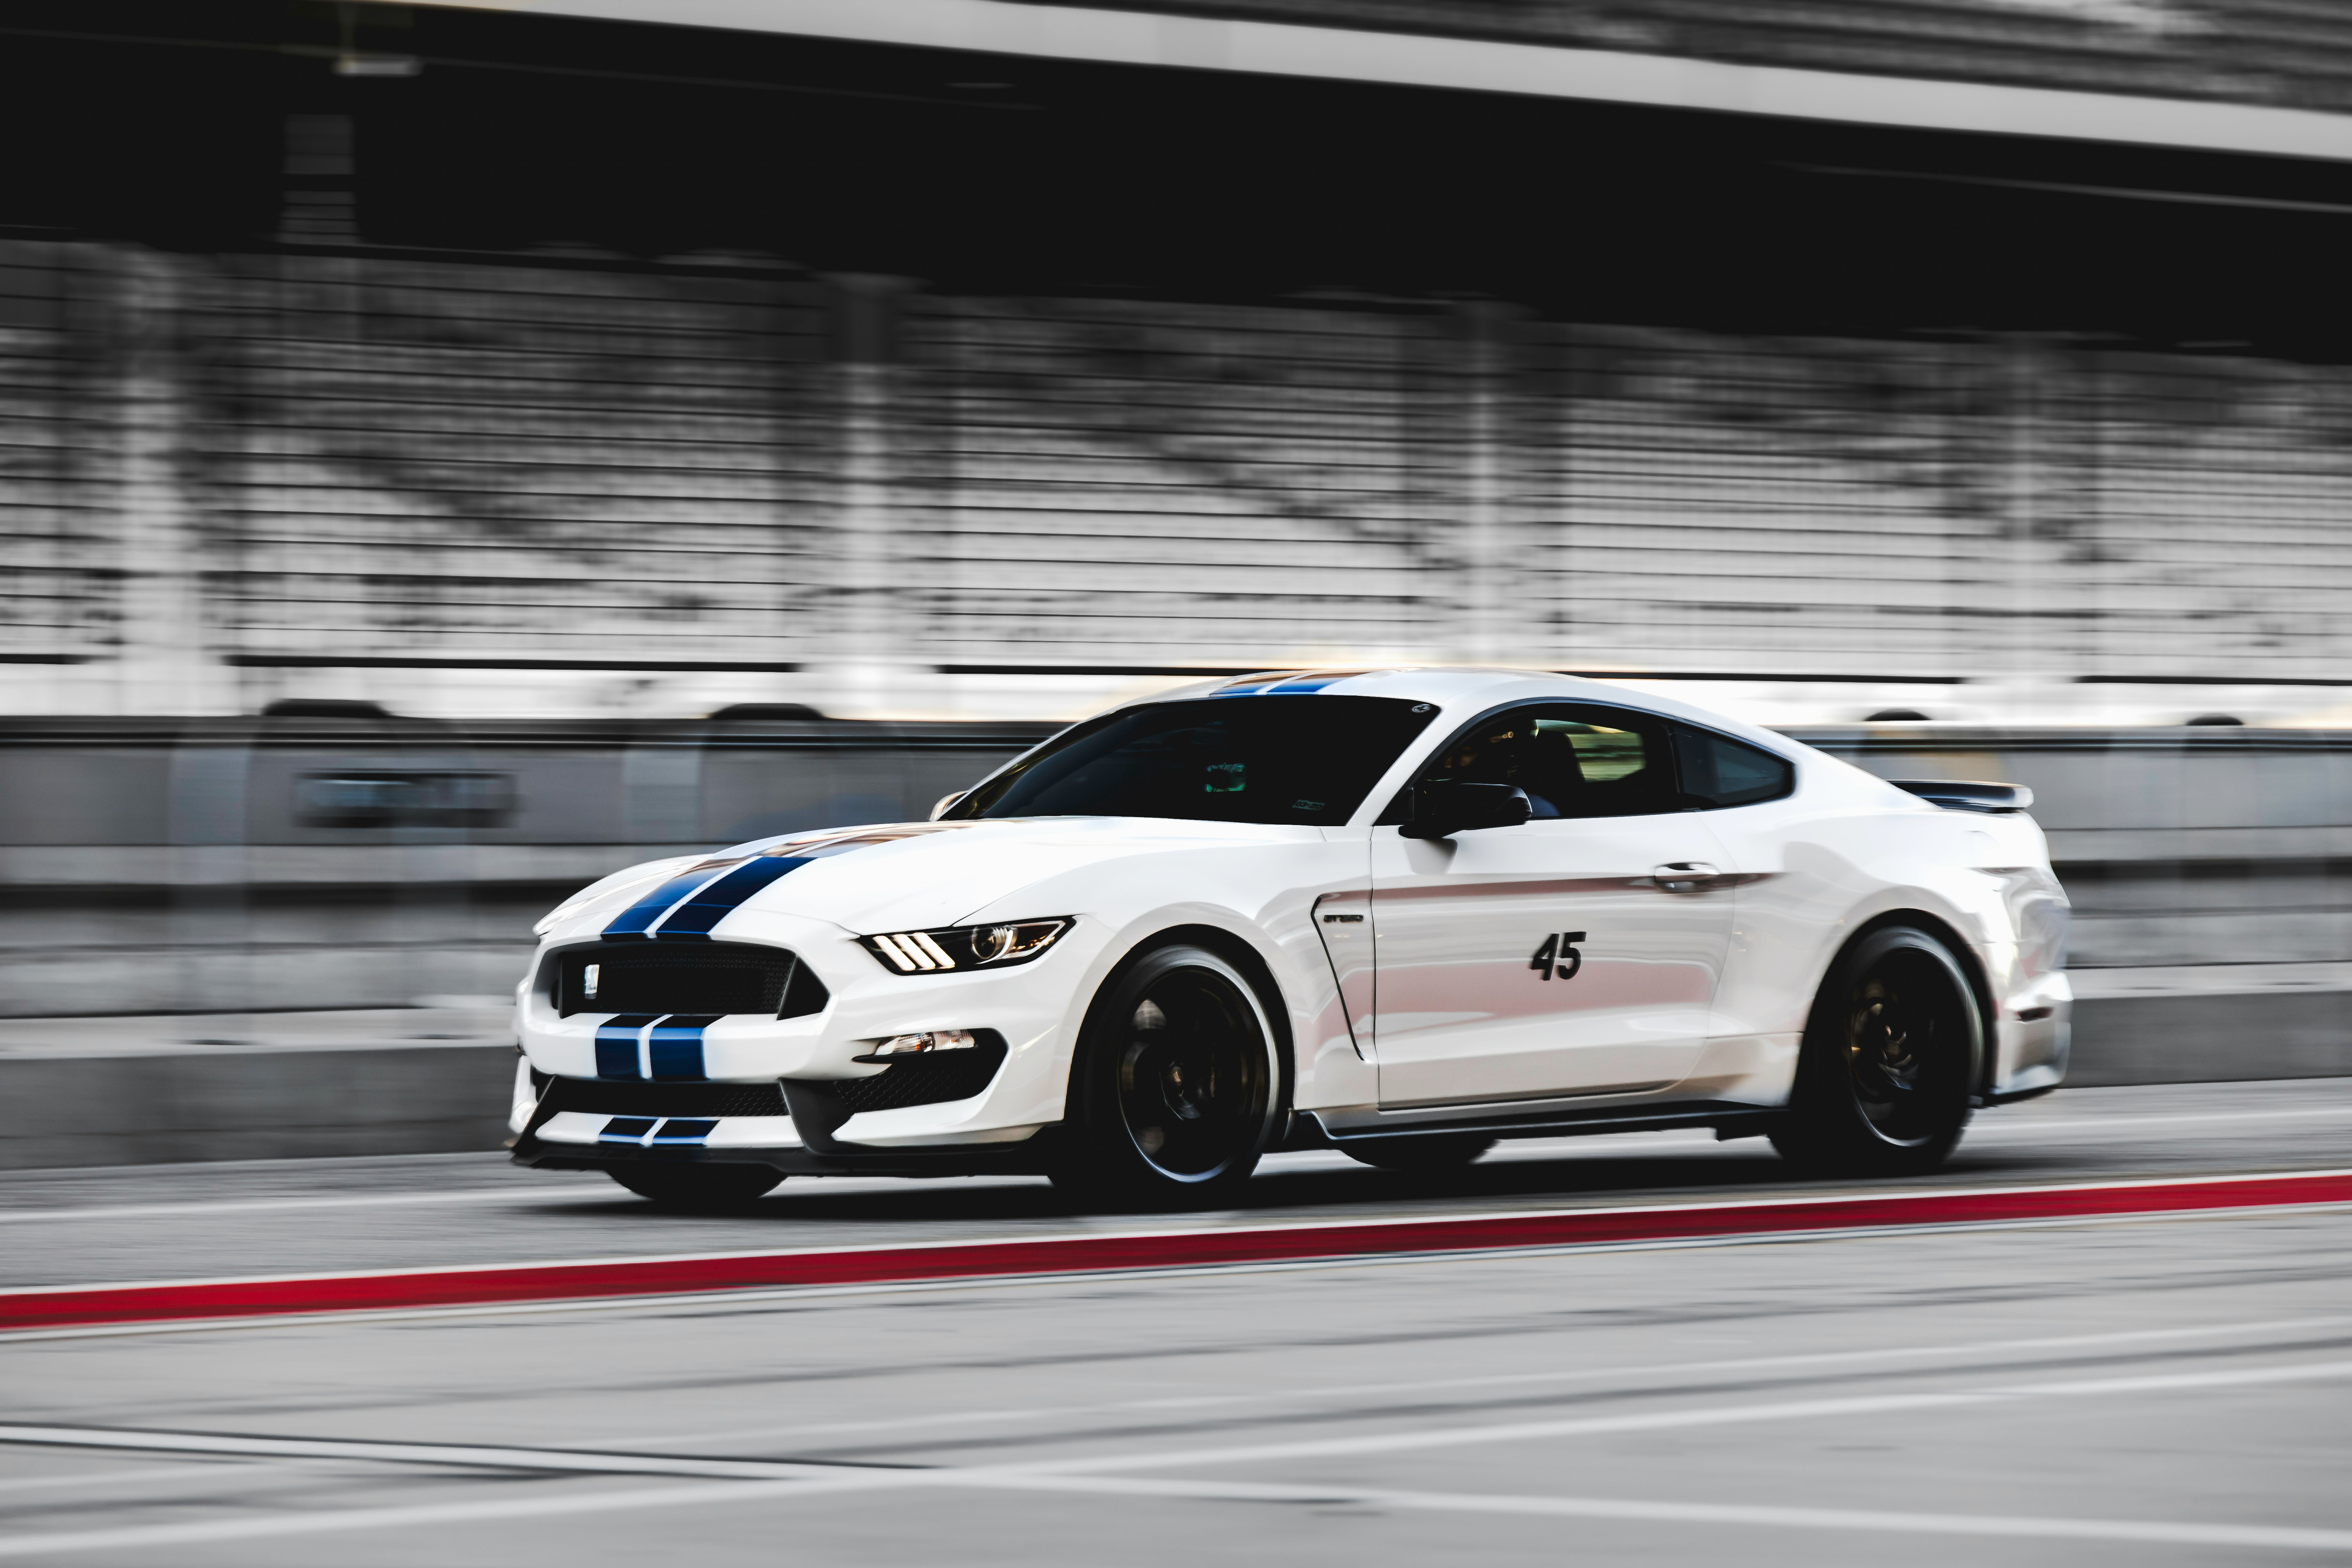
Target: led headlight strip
<point>961,948</point>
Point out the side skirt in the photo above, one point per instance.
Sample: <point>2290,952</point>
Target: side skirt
<point>1728,1121</point>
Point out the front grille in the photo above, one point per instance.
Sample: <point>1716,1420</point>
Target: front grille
<point>925,1080</point>
<point>619,1098</point>
<point>693,977</point>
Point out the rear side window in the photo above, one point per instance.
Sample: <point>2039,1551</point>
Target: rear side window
<point>1718,771</point>
<point>1573,759</point>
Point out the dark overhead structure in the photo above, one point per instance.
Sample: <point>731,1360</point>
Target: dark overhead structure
<point>712,351</point>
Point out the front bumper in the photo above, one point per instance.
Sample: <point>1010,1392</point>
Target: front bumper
<point>1030,1009</point>
<point>1029,1157</point>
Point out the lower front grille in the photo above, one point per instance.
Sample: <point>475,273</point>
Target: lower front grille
<point>927,1078</point>
<point>621,1098</point>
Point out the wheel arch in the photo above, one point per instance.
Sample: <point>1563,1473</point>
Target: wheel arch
<point>1963,953</point>
<point>1235,950</point>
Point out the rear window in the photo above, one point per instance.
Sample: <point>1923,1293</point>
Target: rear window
<point>1301,758</point>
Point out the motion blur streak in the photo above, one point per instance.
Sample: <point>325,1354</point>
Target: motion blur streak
<point>1064,1476</point>
<point>1515,1379</point>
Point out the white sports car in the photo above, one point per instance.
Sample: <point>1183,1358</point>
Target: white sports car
<point>1397,912</point>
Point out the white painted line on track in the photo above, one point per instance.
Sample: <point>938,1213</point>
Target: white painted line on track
<point>1088,1477</point>
<point>2158,1532</point>
<point>122,1477</point>
<point>2342,1113</point>
<point>1669,1420</point>
<point>576,1504</point>
<point>266,1205</point>
<point>466,1455</point>
<point>602,1462</point>
<point>568,1505</point>
<point>1516,1379</point>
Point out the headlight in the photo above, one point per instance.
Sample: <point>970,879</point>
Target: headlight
<point>964,947</point>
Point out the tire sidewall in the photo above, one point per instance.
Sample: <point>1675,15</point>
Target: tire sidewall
<point>1101,1154</point>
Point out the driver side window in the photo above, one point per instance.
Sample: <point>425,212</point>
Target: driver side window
<point>1573,759</point>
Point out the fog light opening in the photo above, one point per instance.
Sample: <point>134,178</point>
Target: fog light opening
<point>929,1040</point>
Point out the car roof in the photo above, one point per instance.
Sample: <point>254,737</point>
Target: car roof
<point>1463,692</point>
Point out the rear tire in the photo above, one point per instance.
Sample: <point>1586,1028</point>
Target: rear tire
<point>1890,1060</point>
<point>1436,1151</point>
<point>1177,1086</point>
<point>702,1189</point>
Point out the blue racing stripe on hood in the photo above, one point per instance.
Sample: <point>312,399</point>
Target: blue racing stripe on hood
<point>693,920</point>
<point>633,920</point>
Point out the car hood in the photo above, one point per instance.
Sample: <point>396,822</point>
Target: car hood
<point>895,876</point>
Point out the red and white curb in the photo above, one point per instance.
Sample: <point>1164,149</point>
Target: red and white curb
<point>71,1307</point>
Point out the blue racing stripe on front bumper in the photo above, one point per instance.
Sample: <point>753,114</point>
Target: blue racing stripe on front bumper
<point>616,1044</point>
<point>674,1046</point>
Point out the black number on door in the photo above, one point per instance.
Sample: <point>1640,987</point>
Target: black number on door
<point>1559,955</point>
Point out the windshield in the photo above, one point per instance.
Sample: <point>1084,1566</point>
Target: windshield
<point>1305,759</point>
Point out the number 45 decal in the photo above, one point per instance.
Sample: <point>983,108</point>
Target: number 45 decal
<point>1559,952</point>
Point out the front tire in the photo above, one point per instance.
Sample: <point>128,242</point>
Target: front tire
<point>699,1189</point>
<point>1890,1060</point>
<point>1177,1086</point>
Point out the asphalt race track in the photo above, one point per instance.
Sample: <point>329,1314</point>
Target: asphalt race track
<point>2166,1387</point>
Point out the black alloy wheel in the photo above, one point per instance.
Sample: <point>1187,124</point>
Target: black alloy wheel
<point>705,1188</point>
<point>1890,1060</point>
<point>1177,1087</point>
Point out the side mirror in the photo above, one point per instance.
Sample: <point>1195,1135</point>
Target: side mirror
<point>1442,810</point>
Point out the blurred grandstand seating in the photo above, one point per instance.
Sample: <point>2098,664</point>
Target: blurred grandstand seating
<point>2285,53</point>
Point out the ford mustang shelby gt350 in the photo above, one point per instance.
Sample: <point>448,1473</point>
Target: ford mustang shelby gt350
<point>1400,912</point>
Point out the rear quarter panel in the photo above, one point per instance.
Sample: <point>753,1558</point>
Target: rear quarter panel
<point>1832,859</point>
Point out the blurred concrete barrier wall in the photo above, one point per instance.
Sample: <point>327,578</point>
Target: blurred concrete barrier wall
<point>2179,846</point>
<point>224,866</point>
<point>316,862</point>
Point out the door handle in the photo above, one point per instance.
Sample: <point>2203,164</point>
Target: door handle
<point>1684,877</point>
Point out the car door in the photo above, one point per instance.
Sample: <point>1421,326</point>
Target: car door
<point>1575,954</point>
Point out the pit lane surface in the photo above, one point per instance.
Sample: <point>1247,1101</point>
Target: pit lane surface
<point>2172,1389</point>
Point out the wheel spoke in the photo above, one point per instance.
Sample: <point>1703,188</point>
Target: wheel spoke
<point>1193,1078</point>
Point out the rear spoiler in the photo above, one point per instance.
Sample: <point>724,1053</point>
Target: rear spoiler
<point>1968,794</point>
